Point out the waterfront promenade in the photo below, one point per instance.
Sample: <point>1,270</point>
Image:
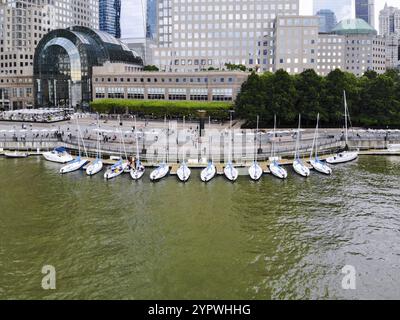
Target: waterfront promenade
<point>171,141</point>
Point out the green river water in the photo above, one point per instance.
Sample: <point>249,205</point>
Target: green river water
<point>140,240</point>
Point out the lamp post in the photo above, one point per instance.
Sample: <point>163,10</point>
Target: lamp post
<point>202,115</point>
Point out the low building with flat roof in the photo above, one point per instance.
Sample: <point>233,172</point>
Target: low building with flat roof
<point>120,81</point>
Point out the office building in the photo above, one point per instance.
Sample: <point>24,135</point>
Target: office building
<point>365,50</point>
<point>392,51</point>
<point>151,19</point>
<point>110,17</point>
<point>343,9</point>
<point>23,23</point>
<point>365,9</point>
<point>331,53</point>
<point>296,43</point>
<point>64,61</point>
<point>389,20</point>
<point>117,81</point>
<point>196,35</point>
<point>327,20</point>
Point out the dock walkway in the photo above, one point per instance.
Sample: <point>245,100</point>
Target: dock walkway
<point>220,166</point>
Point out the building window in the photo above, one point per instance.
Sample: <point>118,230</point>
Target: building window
<point>136,93</point>
<point>222,94</point>
<point>116,93</point>
<point>156,96</point>
<point>100,93</point>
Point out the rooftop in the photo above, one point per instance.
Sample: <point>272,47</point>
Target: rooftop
<point>354,26</point>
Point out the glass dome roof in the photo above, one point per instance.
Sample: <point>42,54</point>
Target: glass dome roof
<point>353,26</point>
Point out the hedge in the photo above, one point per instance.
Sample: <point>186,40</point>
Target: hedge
<point>160,108</point>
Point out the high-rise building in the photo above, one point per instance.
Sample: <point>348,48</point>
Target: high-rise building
<point>364,49</point>
<point>343,9</point>
<point>365,9</point>
<point>23,23</point>
<point>110,17</point>
<point>151,19</point>
<point>195,35</point>
<point>392,50</point>
<point>296,43</point>
<point>327,20</point>
<point>389,20</point>
<point>331,53</point>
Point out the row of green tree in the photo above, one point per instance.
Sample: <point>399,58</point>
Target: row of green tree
<point>373,100</point>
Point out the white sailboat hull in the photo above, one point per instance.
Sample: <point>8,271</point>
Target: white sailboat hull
<point>208,173</point>
<point>159,173</point>
<point>16,155</point>
<point>320,167</point>
<point>300,168</point>
<point>345,156</point>
<point>137,174</point>
<point>116,172</point>
<point>255,171</point>
<point>94,168</point>
<point>231,172</point>
<point>73,166</point>
<point>58,157</point>
<point>278,171</point>
<point>183,173</point>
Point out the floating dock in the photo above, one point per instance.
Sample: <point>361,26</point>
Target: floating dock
<point>220,166</point>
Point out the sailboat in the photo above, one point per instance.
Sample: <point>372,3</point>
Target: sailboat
<point>183,171</point>
<point>255,170</point>
<point>78,163</point>
<point>315,162</point>
<point>298,165</point>
<point>346,155</point>
<point>163,169</point>
<point>138,171</point>
<point>118,168</point>
<point>274,166</point>
<point>231,173</point>
<point>210,171</point>
<point>97,165</point>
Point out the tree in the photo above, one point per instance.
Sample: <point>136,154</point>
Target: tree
<point>234,67</point>
<point>150,68</point>
<point>309,89</point>
<point>373,99</point>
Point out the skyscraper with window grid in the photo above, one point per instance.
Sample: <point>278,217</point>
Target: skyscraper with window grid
<point>110,17</point>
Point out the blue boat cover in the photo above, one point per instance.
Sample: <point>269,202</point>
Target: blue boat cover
<point>60,149</point>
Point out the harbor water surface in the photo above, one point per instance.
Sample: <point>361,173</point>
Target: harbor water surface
<point>270,239</point>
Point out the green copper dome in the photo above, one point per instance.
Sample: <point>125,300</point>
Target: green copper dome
<point>353,26</point>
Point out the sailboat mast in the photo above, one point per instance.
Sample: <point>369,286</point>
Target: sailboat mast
<point>256,140</point>
<point>345,117</point>
<point>209,139</point>
<point>137,148</point>
<point>123,144</point>
<point>231,140</point>
<point>273,138</point>
<point>183,148</point>
<point>316,138</point>
<point>79,136</point>
<point>296,152</point>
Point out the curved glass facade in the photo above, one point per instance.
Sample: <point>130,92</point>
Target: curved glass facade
<point>64,60</point>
